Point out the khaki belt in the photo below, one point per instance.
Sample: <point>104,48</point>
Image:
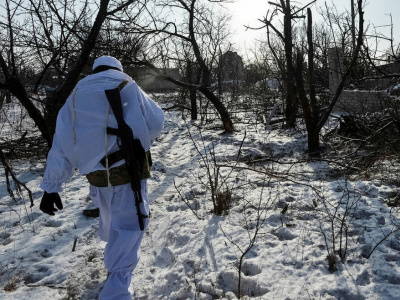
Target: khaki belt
<point>118,176</point>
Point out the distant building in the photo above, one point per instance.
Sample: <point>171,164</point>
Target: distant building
<point>390,68</point>
<point>231,67</point>
<point>385,83</point>
<point>392,84</point>
<point>371,96</point>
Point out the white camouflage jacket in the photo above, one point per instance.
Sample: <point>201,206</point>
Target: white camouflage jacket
<point>81,141</point>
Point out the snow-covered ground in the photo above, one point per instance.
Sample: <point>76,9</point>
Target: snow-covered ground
<point>289,210</point>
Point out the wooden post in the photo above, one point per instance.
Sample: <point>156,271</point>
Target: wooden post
<point>335,57</point>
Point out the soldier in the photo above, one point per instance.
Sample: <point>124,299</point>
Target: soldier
<point>83,141</point>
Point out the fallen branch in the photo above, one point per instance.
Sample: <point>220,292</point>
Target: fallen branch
<point>9,172</point>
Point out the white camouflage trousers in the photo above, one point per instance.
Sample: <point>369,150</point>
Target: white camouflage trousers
<point>119,227</point>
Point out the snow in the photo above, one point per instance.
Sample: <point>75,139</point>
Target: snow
<point>196,256</point>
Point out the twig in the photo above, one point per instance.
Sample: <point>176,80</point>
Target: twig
<point>9,172</point>
<point>187,202</point>
<point>74,246</point>
<point>381,241</point>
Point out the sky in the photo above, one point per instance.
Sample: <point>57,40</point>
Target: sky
<point>247,12</point>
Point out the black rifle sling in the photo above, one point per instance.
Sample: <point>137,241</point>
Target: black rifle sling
<point>131,148</point>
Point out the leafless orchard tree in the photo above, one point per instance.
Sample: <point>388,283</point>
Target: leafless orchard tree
<point>302,87</point>
<point>192,41</point>
<point>285,40</point>
<point>52,40</point>
<point>311,109</point>
<point>48,43</point>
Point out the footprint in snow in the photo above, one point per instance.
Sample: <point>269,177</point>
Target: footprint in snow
<point>392,257</point>
<point>363,278</point>
<point>53,223</point>
<point>37,274</point>
<point>4,235</point>
<point>31,217</point>
<point>250,268</point>
<point>158,166</point>
<point>5,238</point>
<point>284,234</point>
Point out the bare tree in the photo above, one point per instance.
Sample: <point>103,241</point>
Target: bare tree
<point>55,38</point>
<point>311,109</point>
<point>197,38</point>
<point>290,14</point>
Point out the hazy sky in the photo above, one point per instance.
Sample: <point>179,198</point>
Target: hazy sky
<point>246,12</point>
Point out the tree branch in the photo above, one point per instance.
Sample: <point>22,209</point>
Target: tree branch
<point>9,172</point>
<point>87,48</point>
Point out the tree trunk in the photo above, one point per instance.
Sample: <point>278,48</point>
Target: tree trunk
<point>291,99</point>
<point>220,107</point>
<point>353,26</point>
<point>192,91</point>
<point>307,104</point>
<point>193,104</point>
<point>313,142</point>
<point>206,75</point>
<point>291,104</point>
<point>18,90</point>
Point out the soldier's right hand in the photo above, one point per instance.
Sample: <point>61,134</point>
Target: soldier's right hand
<point>48,202</point>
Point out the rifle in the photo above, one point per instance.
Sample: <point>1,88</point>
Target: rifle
<point>131,148</point>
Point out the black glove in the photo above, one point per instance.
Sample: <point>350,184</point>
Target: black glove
<point>48,201</point>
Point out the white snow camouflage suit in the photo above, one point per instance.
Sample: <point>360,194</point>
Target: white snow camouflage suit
<point>81,142</point>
